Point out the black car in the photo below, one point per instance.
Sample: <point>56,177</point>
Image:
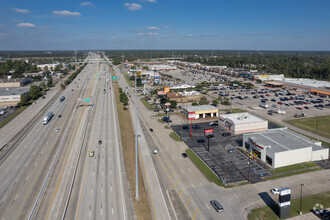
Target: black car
<point>100,142</point>
<point>156,110</point>
<point>60,116</point>
<point>225,134</point>
<point>196,127</point>
<point>151,130</point>
<point>184,155</point>
<point>210,136</point>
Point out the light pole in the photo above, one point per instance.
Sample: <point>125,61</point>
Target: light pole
<point>301,186</point>
<point>136,146</point>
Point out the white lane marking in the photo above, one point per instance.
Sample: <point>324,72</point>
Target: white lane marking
<point>112,211</point>
<point>201,184</point>
<point>102,173</point>
<point>173,158</point>
<point>206,205</point>
<point>189,170</point>
<point>111,188</point>
<point>16,196</point>
<point>182,170</point>
<point>193,186</point>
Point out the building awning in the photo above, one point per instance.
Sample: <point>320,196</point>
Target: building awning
<point>321,92</point>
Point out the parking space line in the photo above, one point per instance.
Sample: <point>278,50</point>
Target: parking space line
<point>172,175</point>
<point>187,202</point>
<point>194,214</point>
<point>181,192</point>
<point>206,205</point>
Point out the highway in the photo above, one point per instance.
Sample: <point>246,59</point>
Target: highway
<point>49,174</point>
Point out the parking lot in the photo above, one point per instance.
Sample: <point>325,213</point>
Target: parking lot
<point>221,153</point>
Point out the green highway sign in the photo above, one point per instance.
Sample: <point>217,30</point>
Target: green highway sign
<point>87,100</point>
<point>114,77</point>
<point>96,75</point>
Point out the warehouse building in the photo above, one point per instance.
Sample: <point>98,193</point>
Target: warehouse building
<point>201,111</point>
<point>282,147</point>
<point>240,123</point>
<point>11,96</point>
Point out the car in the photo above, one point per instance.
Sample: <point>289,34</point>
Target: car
<point>299,108</point>
<point>155,151</point>
<point>232,150</point>
<point>152,116</point>
<point>43,97</point>
<point>156,110</point>
<point>214,123</point>
<point>306,107</point>
<point>184,155</point>
<point>225,134</point>
<point>100,142</point>
<point>60,116</point>
<point>216,205</point>
<point>151,130</point>
<point>275,191</point>
<point>91,153</point>
<point>210,136</point>
<point>57,129</point>
<point>196,127</point>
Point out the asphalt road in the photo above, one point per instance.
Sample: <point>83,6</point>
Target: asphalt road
<point>49,174</point>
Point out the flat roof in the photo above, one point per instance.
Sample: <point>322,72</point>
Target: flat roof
<point>242,118</point>
<point>275,83</point>
<point>200,108</point>
<point>282,139</point>
<point>13,91</point>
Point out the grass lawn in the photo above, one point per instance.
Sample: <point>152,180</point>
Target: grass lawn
<point>309,124</point>
<point>12,116</point>
<point>141,206</point>
<point>233,110</point>
<point>167,127</point>
<point>175,137</point>
<point>147,104</point>
<point>203,168</point>
<point>294,167</point>
<point>307,205</point>
<point>160,115</point>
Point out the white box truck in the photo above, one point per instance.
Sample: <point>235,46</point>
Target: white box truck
<point>47,117</point>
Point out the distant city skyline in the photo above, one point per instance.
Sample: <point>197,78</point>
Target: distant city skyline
<point>165,24</point>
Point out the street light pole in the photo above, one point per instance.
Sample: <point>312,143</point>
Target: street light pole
<point>136,147</point>
<point>301,186</point>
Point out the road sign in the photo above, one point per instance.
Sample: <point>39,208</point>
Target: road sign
<point>96,75</point>
<point>167,104</point>
<point>114,77</point>
<point>87,100</point>
<point>191,115</point>
<point>166,89</point>
<point>208,131</point>
<point>161,93</point>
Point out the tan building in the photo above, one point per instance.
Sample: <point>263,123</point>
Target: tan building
<point>201,111</point>
<point>184,98</point>
<point>5,83</point>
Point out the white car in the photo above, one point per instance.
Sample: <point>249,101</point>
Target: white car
<point>275,191</point>
<point>57,129</point>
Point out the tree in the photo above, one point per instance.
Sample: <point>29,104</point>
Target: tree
<point>215,102</point>
<point>145,68</point>
<point>24,100</point>
<point>259,81</point>
<point>203,101</point>
<point>62,86</point>
<point>173,104</point>
<point>43,86</point>
<point>34,92</point>
<point>50,81</point>
<point>194,104</point>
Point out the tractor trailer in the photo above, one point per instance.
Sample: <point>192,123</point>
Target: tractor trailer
<point>47,117</point>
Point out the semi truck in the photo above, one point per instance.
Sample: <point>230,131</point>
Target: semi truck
<point>47,117</point>
<point>62,99</point>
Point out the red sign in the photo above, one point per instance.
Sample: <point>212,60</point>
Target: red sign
<point>161,93</point>
<point>208,131</point>
<point>191,115</point>
<point>167,104</point>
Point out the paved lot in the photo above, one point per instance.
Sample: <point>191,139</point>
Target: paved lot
<point>229,167</point>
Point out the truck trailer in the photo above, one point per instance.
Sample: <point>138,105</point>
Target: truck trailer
<point>47,117</point>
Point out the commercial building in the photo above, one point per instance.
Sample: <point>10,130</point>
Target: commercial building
<point>181,86</point>
<point>185,96</point>
<point>240,123</point>
<point>12,95</point>
<point>12,83</point>
<point>269,77</point>
<point>201,111</point>
<point>161,67</point>
<point>48,66</point>
<point>282,147</point>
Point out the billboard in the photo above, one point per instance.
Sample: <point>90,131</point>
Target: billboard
<point>191,115</point>
<point>208,131</point>
<point>161,93</point>
<point>167,89</point>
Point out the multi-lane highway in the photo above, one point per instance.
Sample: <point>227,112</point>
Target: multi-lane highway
<point>49,174</point>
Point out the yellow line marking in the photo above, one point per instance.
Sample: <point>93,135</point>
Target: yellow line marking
<point>166,168</point>
<point>67,155</point>
<point>172,175</point>
<point>145,174</point>
<point>194,214</point>
<point>181,192</point>
<point>187,202</point>
<point>175,184</point>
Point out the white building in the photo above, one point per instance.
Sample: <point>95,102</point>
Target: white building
<point>49,66</point>
<point>161,67</point>
<point>12,95</point>
<point>282,147</point>
<point>181,86</point>
<point>242,123</point>
<point>269,77</point>
<point>201,111</point>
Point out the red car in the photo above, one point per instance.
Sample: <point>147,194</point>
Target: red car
<point>299,108</point>
<point>280,103</point>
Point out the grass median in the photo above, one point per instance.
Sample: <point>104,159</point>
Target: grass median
<point>147,104</point>
<point>141,206</point>
<point>175,137</point>
<point>307,205</point>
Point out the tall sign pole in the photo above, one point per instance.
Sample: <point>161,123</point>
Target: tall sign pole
<point>136,147</point>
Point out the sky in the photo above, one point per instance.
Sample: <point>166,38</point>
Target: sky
<point>165,24</point>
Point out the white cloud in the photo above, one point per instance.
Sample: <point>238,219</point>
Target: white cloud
<point>2,35</point>
<point>66,13</point>
<point>139,34</point>
<point>25,25</point>
<point>153,1</point>
<point>133,6</point>
<point>152,34</point>
<point>137,30</point>
<point>154,28</point>
<point>87,4</point>
<point>19,10</point>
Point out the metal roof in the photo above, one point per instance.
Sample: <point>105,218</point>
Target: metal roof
<point>13,91</point>
<point>200,108</point>
<point>282,139</point>
<point>242,118</point>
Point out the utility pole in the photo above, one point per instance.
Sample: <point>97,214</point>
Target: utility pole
<point>301,186</point>
<point>136,146</point>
